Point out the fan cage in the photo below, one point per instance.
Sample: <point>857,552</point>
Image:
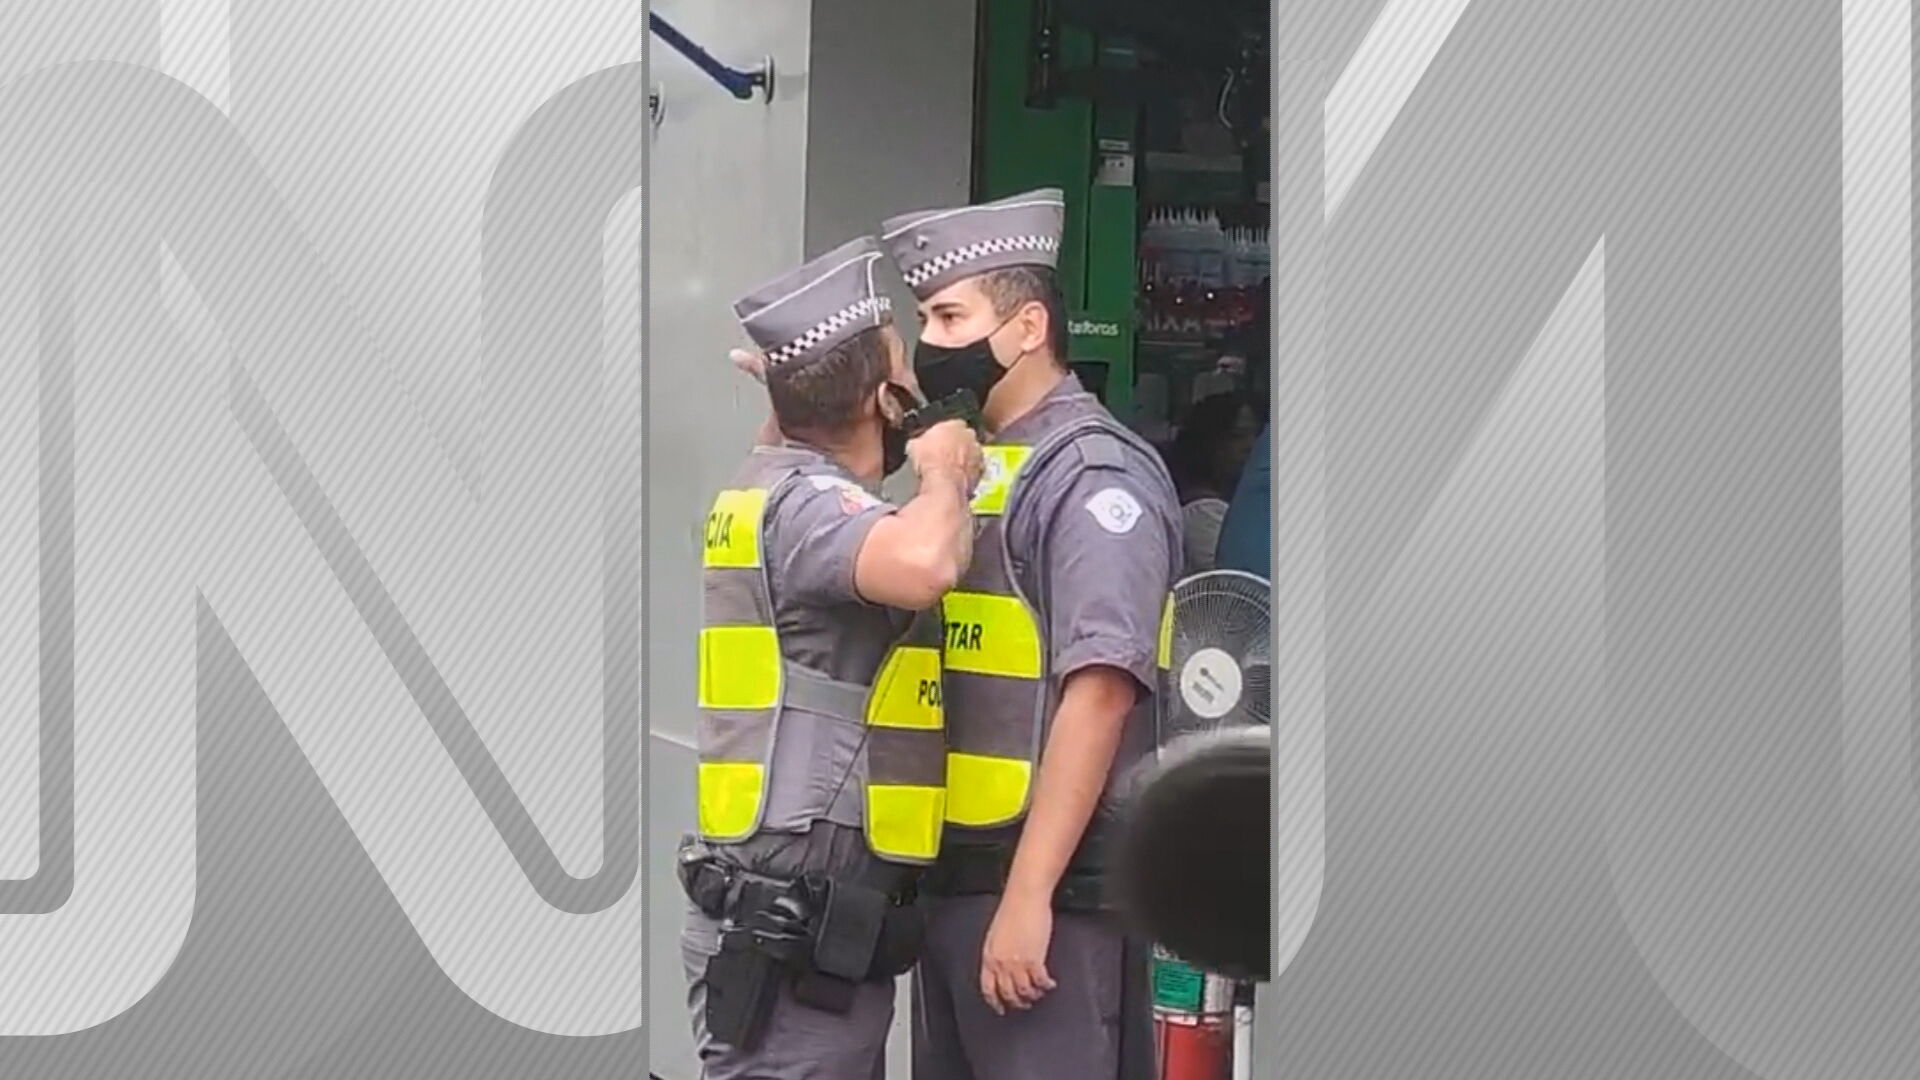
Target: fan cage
<point>1231,611</point>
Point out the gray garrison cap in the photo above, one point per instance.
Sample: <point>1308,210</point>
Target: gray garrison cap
<point>935,248</point>
<point>806,313</point>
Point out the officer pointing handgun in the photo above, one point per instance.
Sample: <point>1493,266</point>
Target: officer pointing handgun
<point>1051,647</point>
<point>821,749</point>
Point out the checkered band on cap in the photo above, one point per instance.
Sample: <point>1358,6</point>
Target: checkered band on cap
<point>935,248</point>
<point>815,308</point>
<point>869,311</point>
<point>951,260</point>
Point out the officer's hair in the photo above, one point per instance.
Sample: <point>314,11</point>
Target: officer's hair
<point>1007,290</point>
<point>827,394</point>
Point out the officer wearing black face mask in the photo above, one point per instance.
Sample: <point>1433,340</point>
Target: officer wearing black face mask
<point>822,757</point>
<point>1051,652</point>
<point>893,435</point>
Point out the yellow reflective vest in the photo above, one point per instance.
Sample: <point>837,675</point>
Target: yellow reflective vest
<point>751,696</point>
<point>999,688</point>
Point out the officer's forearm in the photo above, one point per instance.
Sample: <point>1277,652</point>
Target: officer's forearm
<point>913,556</point>
<point>1073,772</point>
<point>942,518</point>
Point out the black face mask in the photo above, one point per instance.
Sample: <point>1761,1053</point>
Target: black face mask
<point>944,371</point>
<point>893,449</point>
<point>893,437</point>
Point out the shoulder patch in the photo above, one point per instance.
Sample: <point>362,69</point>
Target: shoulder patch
<point>1115,510</point>
<point>853,497</point>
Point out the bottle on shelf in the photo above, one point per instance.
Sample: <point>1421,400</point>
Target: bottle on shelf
<point>1153,248</point>
<point>1210,251</point>
<point>1259,257</point>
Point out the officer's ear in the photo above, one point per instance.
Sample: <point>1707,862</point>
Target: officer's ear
<point>1032,324</point>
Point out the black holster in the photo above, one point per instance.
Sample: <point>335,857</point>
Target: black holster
<point>742,981</point>
<point>823,937</point>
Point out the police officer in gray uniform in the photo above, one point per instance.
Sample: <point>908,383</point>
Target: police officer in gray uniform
<point>822,754</point>
<point>1051,651</point>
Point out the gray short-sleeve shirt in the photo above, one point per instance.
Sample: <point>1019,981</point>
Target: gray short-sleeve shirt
<point>815,527</point>
<point>1110,563</point>
<point>1108,525</point>
<point>1105,520</point>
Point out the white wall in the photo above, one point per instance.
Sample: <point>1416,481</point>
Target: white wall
<point>725,210</point>
<point>872,114</point>
<point>891,127</point>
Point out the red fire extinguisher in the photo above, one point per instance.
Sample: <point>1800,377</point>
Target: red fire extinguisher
<point>1193,1021</point>
<point>1195,1048</point>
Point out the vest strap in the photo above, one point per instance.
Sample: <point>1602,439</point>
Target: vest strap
<point>817,692</point>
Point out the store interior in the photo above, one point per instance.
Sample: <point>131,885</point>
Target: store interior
<point>1154,119</point>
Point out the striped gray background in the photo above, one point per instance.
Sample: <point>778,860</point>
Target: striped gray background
<point>1593,553</point>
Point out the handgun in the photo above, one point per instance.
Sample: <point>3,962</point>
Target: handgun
<point>959,405</point>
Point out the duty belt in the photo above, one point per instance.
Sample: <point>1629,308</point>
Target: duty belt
<point>855,932</point>
<point>981,870</point>
<point>723,890</point>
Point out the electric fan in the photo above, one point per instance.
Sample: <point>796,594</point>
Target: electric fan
<point>1220,675</point>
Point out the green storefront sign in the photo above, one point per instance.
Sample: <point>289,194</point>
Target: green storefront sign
<point>1104,338</point>
<point>1087,151</point>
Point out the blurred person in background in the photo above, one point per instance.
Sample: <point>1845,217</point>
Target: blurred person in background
<point>1246,533</point>
<point>1206,460</point>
